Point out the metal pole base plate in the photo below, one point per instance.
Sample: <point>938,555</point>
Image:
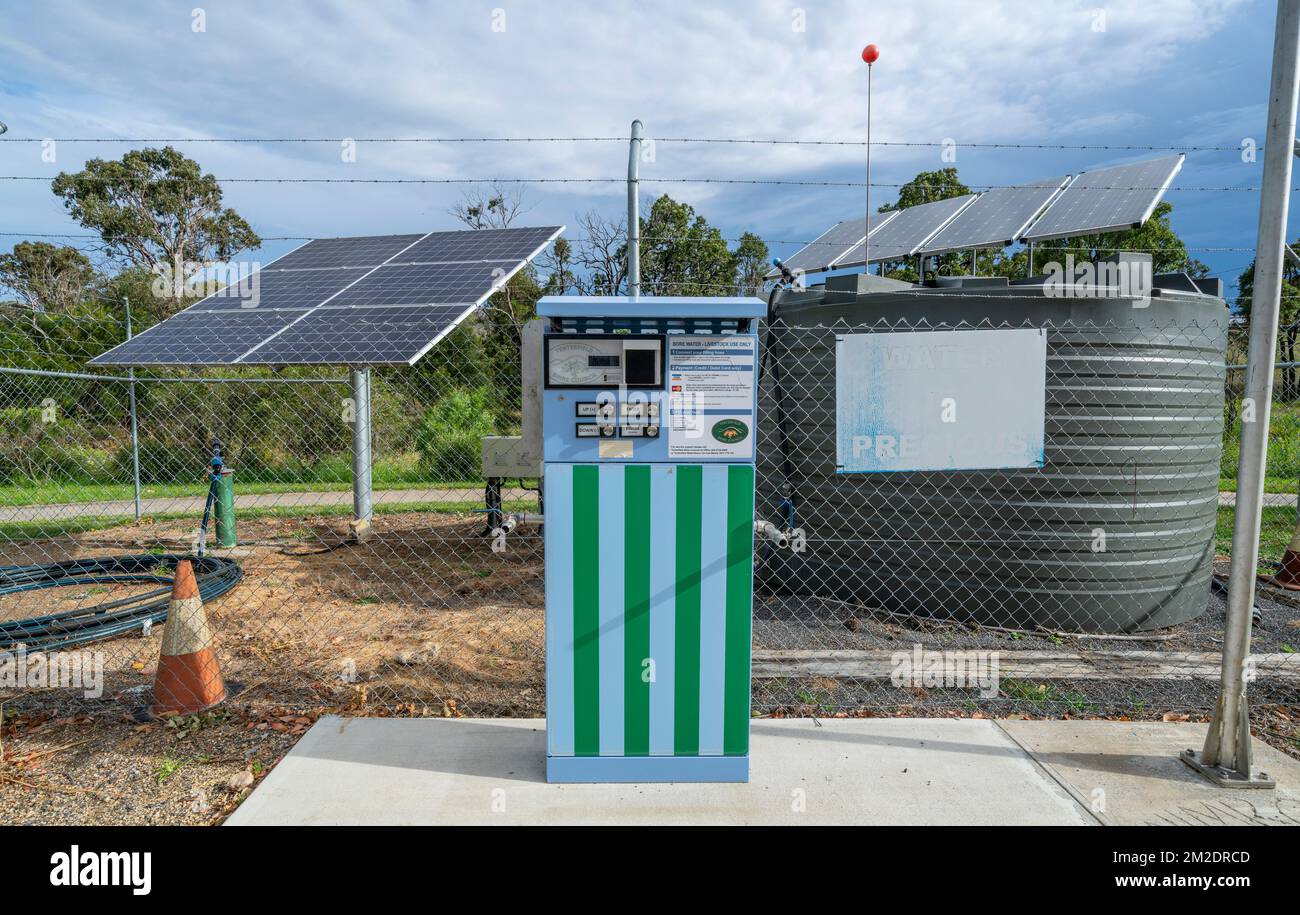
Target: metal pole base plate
<point>1227,778</point>
<point>360,530</point>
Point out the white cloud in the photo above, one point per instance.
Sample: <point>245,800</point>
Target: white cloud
<point>992,70</point>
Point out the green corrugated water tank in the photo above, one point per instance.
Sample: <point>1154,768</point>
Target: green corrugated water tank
<point>1115,533</point>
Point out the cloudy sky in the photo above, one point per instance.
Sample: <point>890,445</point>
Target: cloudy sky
<point>1176,73</point>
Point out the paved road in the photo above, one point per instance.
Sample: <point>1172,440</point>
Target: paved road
<point>471,497</point>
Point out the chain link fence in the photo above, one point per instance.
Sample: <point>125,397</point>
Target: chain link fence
<point>1084,586</point>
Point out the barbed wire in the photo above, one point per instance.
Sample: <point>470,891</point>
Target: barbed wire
<point>787,182</point>
<point>759,141</point>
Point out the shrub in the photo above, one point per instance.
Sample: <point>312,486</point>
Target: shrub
<point>450,436</point>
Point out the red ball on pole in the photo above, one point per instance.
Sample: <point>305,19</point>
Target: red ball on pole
<point>870,54</point>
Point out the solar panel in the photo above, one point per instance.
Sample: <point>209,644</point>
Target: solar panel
<point>478,245</point>
<point>345,252</point>
<point>281,289</point>
<point>199,338</point>
<point>422,284</point>
<point>996,218</point>
<point>375,300</point>
<point>359,336</point>
<point>902,236</point>
<point>1107,199</point>
<point>831,244</point>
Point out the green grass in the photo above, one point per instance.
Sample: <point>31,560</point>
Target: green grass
<point>1283,450</point>
<point>1276,528</point>
<point>1025,691</point>
<point>56,493</point>
<point>393,473</point>
<point>1284,485</point>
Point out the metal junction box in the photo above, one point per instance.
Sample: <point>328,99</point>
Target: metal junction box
<point>649,422</point>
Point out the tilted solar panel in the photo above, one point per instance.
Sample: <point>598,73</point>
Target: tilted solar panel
<point>996,218</point>
<point>902,236</point>
<point>831,244</point>
<point>374,300</point>
<point>1107,200</point>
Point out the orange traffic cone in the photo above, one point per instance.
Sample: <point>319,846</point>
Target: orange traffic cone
<point>1288,575</point>
<point>189,678</point>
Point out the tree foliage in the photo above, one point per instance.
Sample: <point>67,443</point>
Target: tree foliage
<point>928,187</point>
<point>156,209</point>
<point>1288,318</point>
<point>47,278</point>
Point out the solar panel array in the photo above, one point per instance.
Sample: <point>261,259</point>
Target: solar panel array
<point>1101,200</point>
<point>376,300</point>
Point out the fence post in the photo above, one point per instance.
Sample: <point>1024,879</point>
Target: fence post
<point>135,425</point>
<point>1226,757</point>
<point>633,214</point>
<point>361,494</point>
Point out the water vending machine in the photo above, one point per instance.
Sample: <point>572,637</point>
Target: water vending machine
<point>649,422</point>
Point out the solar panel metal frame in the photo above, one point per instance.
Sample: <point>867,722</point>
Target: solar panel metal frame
<point>248,356</point>
<point>1081,184</point>
<point>793,262</point>
<point>846,262</point>
<point>933,247</point>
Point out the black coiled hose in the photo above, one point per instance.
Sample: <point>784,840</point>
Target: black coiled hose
<point>215,576</point>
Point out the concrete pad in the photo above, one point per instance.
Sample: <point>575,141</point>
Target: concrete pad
<point>1128,773</point>
<point>409,771</point>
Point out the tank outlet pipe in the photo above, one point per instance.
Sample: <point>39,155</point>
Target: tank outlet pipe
<point>769,531</point>
<point>512,522</point>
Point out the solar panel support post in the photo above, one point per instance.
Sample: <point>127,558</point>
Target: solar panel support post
<point>633,212</point>
<point>135,423</point>
<point>1029,266</point>
<point>362,508</point>
<point>1226,756</point>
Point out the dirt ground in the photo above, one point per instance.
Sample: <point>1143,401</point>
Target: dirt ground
<point>424,619</point>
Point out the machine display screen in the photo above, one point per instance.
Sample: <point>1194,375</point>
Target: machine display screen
<point>642,367</point>
<point>604,360</point>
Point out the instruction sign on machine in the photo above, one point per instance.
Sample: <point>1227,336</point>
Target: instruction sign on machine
<point>711,385</point>
<point>940,400</point>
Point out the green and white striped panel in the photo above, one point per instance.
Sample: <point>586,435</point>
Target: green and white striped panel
<point>649,578</point>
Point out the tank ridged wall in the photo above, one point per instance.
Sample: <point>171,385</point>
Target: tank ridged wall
<point>1135,410</point>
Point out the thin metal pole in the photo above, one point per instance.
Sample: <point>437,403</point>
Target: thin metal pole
<point>633,212</point>
<point>1227,753</point>
<point>1029,269</point>
<point>135,424</point>
<point>362,509</point>
<point>866,222</point>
